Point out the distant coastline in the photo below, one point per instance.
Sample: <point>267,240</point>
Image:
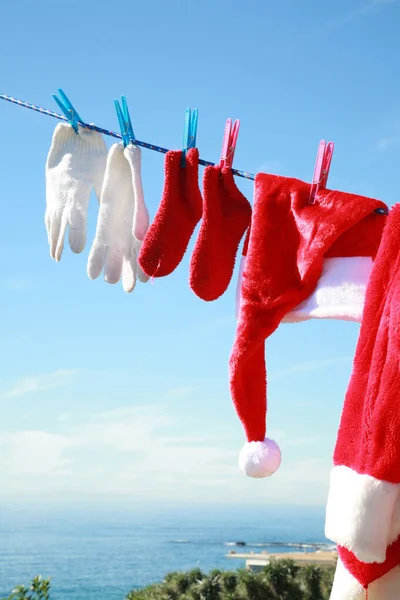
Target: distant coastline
<point>283,546</point>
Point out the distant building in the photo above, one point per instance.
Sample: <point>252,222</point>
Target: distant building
<point>256,562</point>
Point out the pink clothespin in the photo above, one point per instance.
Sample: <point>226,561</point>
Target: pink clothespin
<point>322,166</point>
<point>229,143</point>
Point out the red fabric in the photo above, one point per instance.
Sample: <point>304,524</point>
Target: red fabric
<point>179,212</point>
<point>362,239</point>
<point>226,216</point>
<point>369,433</point>
<point>288,241</point>
<point>367,573</point>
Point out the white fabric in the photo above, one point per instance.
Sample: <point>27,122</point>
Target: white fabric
<point>75,165</point>
<point>346,587</point>
<point>362,514</point>
<point>340,291</point>
<point>260,459</point>
<point>339,294</point>
<point>141,218</point>
<point>115,249</point>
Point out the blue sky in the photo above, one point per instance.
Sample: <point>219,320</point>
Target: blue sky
<point>126,396</point>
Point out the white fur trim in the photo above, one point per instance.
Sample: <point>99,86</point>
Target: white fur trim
<point>339,294</point>
<point>340,291</point>
<point>362,514</point>
<point>260,459</point>
<point>346,587</point>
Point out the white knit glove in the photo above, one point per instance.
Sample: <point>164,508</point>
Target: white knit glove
<point>115,249</point>
<point>141,220</point>
<point>133,155</point>
<point>75,165</point>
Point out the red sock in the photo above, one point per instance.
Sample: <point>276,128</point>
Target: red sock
<point>177,216</point>
<point>226,216</point>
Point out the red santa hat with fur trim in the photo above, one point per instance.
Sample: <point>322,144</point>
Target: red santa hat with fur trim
<point>289,246</point>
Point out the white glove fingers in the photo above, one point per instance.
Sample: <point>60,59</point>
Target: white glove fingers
<point>76,239</point>
<point>141,223</point>
<point>61,237</point>
<point>141,217</point>
<point>143,278</point>
<point>77,228</point>
<point>54,221</point>
<point>47,222</point>
<point>141,275</point>
<point>74,163</point>
<point>129,274</point>
<point>113,266</point>
<point>96,260</point>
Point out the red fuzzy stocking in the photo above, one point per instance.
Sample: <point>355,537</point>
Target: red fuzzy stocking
<point>226,216</point>
<point>177,216</point>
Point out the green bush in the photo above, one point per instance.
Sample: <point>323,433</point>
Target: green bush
<point>39,589</point>
<point>280,580</point>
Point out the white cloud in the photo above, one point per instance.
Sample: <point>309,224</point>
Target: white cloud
<point>305,441</point>
<point>18,284</point>
<point>391,140</point>
<point>131,446</point>
<point>33,453</point>
<point>213,324</point>
<point>124,430</point>
<point>39,383</point>
<point>308,471</point>
<point>368,7</point>
<point>136,453</point>
<point>63,417</point>
<point>181,392</point>
<point>313,365</point>
<point>273,167</point>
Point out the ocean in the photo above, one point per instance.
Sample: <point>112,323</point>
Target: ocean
<point>96,554</point>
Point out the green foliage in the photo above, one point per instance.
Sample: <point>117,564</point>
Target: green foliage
<point>280,580</point>
<point>312,582</point>
<point>327,576</point>
<point>39,589</point>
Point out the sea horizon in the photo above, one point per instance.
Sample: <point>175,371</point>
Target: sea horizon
<point>98,551</point>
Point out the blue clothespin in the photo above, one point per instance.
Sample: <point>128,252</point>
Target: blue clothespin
<point>128,137</point>
<point>189,132</point>
<point>68,110</point>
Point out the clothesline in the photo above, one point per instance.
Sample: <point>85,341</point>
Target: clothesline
<point>50,113</point>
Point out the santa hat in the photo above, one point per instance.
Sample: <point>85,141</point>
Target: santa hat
<point>363,510</point>
<point>339,294</point>
<point>288,242</point>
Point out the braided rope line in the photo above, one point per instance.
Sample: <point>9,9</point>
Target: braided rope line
<point>50,113</point>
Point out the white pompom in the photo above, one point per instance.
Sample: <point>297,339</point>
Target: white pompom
<point>260,459</point>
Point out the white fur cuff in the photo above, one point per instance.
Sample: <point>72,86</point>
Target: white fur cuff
<point>362,514</point>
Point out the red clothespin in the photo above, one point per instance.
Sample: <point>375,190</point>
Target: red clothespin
<point>229,143</point>
<point>322,166</point>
